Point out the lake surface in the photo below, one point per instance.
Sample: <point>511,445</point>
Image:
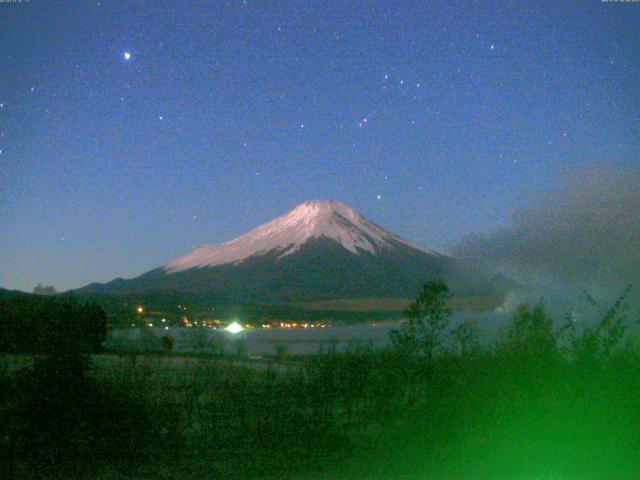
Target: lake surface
<point>298,341</point>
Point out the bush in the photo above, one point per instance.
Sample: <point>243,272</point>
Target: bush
<point>37,324</point>
<point>59,415</point>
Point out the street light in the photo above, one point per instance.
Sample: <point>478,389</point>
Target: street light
<point>234,328</point>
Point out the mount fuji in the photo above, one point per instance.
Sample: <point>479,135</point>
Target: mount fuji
<point>321,250</point>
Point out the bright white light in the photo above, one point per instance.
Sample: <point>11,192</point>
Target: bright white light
<point>127,56</point>
<point>234,328</point>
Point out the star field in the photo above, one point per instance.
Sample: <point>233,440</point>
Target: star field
<point>132,132</point>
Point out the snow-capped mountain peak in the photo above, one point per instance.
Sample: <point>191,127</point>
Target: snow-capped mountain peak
<point>287,233</point>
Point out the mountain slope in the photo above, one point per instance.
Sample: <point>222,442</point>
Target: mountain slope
<point>288,233</point>
<point>320,250</point>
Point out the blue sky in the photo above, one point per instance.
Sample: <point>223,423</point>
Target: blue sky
<point>435,120</point>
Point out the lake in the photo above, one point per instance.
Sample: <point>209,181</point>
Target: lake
<point>295,341</point>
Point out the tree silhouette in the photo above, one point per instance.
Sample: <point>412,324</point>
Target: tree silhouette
<point>427,317</point>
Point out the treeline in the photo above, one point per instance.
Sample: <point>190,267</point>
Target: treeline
<point>39,324</point>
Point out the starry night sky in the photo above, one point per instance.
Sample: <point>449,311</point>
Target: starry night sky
<point>132,131</point>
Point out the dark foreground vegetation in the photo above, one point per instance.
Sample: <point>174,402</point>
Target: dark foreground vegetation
<point>543,402</point>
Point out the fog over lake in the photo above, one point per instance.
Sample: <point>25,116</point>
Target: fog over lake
<point>265,341</point>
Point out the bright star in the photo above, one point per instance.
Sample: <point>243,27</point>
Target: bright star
<point>127,56</point>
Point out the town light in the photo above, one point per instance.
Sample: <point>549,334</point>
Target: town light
<point>234,328</point>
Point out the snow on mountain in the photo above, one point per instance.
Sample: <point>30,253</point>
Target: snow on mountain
<point>318,251</point>
<point>287,233</point>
